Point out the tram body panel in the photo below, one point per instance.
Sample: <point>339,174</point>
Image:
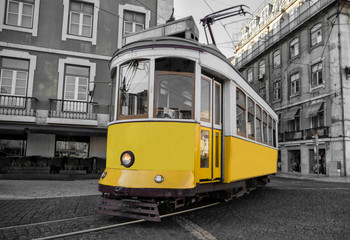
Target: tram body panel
<point>166,148</point>
<point>141,179</point>
<point>245,159</point>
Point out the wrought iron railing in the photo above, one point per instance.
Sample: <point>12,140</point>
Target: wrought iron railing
<point>322,132</point>
<point>16,105</point>
<point>60,108</point>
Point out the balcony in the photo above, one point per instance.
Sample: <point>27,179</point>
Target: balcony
<point>63,111</point>
<point>16,108</point>
<point>322,132</point>
<point>291,136</point>
<point>306,11</point>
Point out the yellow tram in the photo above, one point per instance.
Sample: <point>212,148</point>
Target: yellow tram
<point>185,124</point>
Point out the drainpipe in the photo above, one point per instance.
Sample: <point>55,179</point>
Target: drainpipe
<point>341,89</point>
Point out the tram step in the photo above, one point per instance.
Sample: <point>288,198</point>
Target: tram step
<point>130,208</point>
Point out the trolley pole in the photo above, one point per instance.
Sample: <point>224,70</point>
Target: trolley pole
<point>317,155</point>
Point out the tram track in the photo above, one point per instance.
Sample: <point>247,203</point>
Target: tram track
<point>69,234</point>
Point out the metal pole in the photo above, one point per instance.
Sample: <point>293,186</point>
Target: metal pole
<point>317,155</point>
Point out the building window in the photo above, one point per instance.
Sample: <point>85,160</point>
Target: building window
<point>316,77</point>
<point>258,124</point>
<point>16,73</point>
<point>294,124</point>
<point>276,58</point>
<point>68,146</point>
<point>14,76</point>
<point>76,80</point>
<point>261,69</point>
<point>136,18</point>
<point>293,14</point>
<point>262,92</point>
<point>20,13</point>
<point>318,120</point>
<point>316,34</point>
<point>277,91</point>
<point>76,83</point>
<point>251,119</point>
<point>13,145</point>
<point>294,84</point>
<point>80,18</point>
<point>241,113</point>
<point>250,75</point>
<point>294,48</point>
<point>133,22</point>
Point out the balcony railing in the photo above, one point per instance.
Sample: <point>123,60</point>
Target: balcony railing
<point>19,106</point>
<point>305,13</point>
<point>322,132</point>
<point>72,109</point>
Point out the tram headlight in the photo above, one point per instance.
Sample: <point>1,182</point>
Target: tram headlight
<point>158,178</point>
<point>104,174</point>
<point>127,159</point>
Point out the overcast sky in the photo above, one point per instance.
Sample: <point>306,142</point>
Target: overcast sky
<point>200,8</point>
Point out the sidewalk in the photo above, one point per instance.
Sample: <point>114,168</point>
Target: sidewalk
<point>31,189</point>
<point>321,177</point>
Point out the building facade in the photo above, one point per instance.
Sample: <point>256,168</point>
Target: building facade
<point>296,55</point>
<point>54,73</point>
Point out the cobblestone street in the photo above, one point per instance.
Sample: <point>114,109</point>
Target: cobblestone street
<point>284,209</point>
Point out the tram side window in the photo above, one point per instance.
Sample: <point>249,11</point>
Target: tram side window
<point>133,89</point>
<point>274,143</point>
<point>205,99</point>
<point>270,130</point>
<point>258,124</point>
<point>241,113</point>
<point>251,113</point>
<point>174,88</point>
<point>264,127</point>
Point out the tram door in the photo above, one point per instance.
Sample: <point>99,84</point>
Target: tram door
<point>211,130</point>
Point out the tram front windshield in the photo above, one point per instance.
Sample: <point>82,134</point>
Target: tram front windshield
<point>173,89</point>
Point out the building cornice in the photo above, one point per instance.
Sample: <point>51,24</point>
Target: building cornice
<point>54,51</point>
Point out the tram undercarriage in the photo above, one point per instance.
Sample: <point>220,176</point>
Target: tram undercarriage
<point>150,203</point>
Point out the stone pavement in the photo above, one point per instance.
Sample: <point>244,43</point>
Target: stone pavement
<point>35,189</point>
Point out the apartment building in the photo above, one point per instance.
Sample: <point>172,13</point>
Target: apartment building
<point>54,73</point>
<point>295,53</point>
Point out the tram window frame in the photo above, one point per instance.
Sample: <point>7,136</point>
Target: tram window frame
<point>258,112</point>
<point>188,74</point>
<point>217,103</point>
<point>144,115</point>
<point>251,119</point>
<point>274,142</point>
<point>208,80</point>
<point>270,130</point>
<point>243,109</point>
<point>265,130</point>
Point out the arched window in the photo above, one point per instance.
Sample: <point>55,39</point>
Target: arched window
<point>316,34</point>
<point>276,58</point>
<point>261,69</point>
<point>294,47</point>
<point>250,75</point>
